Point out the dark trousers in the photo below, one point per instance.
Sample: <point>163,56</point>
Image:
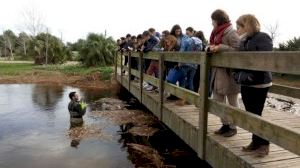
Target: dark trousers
<point>254,100</point>
<point>134,65</point>
<point>126,60</point>
<point>197,79</point>
<point>146,65</point>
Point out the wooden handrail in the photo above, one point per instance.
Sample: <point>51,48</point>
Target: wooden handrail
<point>278,134</point>
<point>280,62</point>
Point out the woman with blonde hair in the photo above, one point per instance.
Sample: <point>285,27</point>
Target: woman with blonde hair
<point>254,84</point>
<point>223,38</point>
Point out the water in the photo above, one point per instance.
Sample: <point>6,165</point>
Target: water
<point>34,122</point>
<point>34,132</point>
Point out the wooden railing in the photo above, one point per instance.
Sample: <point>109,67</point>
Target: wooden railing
<point>279,62</point>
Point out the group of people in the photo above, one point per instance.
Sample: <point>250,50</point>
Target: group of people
<point>224,83</point>
<point>174,40</point>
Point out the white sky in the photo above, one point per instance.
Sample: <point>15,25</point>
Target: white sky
<point>75,18</point>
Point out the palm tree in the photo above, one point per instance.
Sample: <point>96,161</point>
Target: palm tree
<point>97,50</point>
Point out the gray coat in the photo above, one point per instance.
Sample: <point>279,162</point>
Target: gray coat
<point>222,81</point>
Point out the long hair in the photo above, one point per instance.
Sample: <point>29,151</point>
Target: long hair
<point>249,22</point>
<point>200,35</point>
<point>169,43</point>
<point>174,28</point>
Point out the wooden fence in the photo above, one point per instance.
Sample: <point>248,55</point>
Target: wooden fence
<point>279,62</point>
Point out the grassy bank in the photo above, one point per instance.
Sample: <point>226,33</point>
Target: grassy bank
<point>17,69</point>
<point>71,73</point>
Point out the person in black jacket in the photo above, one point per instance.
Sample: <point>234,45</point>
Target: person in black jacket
<point>254,84</point>
<point>76,109</point>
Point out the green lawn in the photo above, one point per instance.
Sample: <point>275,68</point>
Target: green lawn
<point>15,68</point>
<point>25,68</point>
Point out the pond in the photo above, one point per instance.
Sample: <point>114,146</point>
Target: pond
<point>35,132</point>
<point>34,122</point>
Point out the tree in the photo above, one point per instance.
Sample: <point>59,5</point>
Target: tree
<point>273,30</point>
<point>290,45</point>
<point>33,20</point>
<point>97,50</point>
<point>22,44</point>
<point>47,48</point>
<point>8,40</point>
<point>77,45</point>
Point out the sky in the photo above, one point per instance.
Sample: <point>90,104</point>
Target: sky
<point>74,19</point>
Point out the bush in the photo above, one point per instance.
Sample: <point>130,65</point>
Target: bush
<point>97,50</point>
<point>57,52</point>
<point>290,45</point>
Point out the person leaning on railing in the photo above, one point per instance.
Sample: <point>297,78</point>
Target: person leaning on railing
<point>254,84</point>
<point>223,38</point>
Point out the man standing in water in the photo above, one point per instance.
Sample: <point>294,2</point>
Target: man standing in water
<point>76,109</point>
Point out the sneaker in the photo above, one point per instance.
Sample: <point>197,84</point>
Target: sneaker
<point>222,130</point>
<point>180,102</point>
<point>166,94</point>
<point>229,133</point>
<point>149,88</point>
<point>250,148</point>
<point>145,85</point>
<point>172,97</point>
<point>262,151</point>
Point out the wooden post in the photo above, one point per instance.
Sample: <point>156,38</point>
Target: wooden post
<point>116,65</point>
<point>204,86</point>
<point>129,70</point>
<point>161,84</point>
<point>141,74</point>
<point>122,67</point>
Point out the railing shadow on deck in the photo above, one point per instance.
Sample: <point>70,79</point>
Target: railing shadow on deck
<point>279,62</point>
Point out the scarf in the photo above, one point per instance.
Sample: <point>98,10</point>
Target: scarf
<point>217,34</point>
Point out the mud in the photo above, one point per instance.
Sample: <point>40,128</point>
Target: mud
<point>281,103</point>
<point>148,142</point>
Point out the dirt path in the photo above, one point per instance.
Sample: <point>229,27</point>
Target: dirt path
<point>17,62</point>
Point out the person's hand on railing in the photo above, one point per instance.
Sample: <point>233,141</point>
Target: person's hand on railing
<point>214,48</point>
<point>142,48</point>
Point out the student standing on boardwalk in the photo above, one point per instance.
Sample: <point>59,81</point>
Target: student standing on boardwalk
<point>254,84</point>
<point>223,38</point>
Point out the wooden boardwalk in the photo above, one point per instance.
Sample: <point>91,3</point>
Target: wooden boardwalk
<point>218,151</point>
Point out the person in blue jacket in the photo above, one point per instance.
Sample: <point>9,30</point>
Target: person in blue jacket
<point>182,72</point>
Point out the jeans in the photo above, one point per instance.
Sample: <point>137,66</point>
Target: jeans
<point>189,74</point>
<point>184,75</point>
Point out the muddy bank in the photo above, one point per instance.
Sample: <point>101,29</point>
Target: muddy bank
<point>149,142</point>
<point>91,80</point>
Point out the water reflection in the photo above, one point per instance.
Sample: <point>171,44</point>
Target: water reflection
<point>47,96</point>
<point>75,143</point>
<point>27,139</point>
<point>75,139</point>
